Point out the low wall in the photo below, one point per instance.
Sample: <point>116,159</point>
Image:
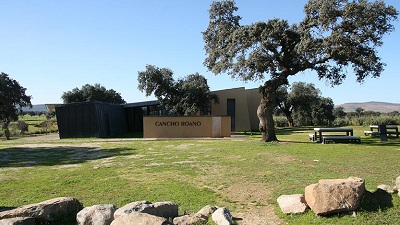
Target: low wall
<point>186,126</point>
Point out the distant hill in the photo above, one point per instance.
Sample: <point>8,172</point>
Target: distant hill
<point>35,108</point>
<point>383,107</point>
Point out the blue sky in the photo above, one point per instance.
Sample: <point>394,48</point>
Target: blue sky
<point>51,47</point>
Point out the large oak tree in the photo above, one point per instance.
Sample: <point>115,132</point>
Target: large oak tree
<point>94,92</point>
<point>333,36</point>
<point>12,99</point>
<point>190,95</point>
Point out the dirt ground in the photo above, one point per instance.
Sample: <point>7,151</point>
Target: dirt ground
<point>255,209</point>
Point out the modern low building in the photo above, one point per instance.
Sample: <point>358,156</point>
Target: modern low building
<point>99,119</point>
<point>241,105</point>
<point>90,119</point>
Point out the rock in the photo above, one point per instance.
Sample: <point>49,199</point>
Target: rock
<point>96,215</point>
<point>386,188</point>
<point>129,208</point>
<point>292,203</point>
<point>57,209</point>
<point>18,221</point>
<point>136,218</point>
<point>222,216</point>
<point>192,219</point>
<point>397,186</point>
<point>161,209</point>
<point>335,195</point>
<point>207,210</point>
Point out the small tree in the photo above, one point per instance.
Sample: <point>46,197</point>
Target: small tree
<point>359,111</point>
<point>12,99</point>
<point>333,36</point>
<point>22,126</point>
<point>92,93</point>
<point>322,112</point>
<point>339,112</point>
<point>302,104</point>
<point>188,96</point>
<point>304,96</point>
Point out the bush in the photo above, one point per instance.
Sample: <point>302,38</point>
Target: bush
<point>22,126</point>
<point>280,121</point>
<point>341,122</point>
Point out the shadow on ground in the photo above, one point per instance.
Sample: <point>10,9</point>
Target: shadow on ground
<point>57,155</point>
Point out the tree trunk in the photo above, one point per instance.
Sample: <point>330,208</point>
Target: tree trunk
<point>262,116</point>
<point>265,110</point>
<point>290,120</point>
<point>7,133</point>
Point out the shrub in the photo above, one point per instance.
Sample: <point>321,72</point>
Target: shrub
<point>280,121</point>
<point>341,122</point>
<point>22,126</point>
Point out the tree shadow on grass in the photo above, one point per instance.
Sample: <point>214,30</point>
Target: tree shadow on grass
<point>291,130</point>
<point>372,141</point>
<point>57,155</point>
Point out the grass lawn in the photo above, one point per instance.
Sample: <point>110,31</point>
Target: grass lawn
<point>243,174</point>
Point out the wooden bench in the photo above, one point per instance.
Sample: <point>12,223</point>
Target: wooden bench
<point>318,132</point>
<point>372,133</point>
<point>390,130</point>
<point>340,138</point>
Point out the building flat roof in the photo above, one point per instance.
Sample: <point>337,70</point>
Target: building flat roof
<point>141,104</point>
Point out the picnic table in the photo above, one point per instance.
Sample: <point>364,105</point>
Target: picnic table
<point>320,134</point>
<point>390,129</point>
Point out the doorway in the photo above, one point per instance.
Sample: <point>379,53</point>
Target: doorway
<point>231,105</point>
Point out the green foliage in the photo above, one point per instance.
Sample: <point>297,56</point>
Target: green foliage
<point>333,37</point>
<point>12,99</point>
<point>367,120</point>
<point>22,126</point>
<point>338,112</point>
<point>304,105</point>
<point>35,125</point>
<point>186,96</point>
<point>280,121</point>
<point>92,93</point>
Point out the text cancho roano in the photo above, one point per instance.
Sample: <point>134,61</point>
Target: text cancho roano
<point>178,123</point>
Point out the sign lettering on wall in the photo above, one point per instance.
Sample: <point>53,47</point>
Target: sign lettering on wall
<point>186,126</point>
<point>177,123</point>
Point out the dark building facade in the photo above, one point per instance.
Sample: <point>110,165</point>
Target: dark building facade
<point>134,113</point>
<point>90,119</point>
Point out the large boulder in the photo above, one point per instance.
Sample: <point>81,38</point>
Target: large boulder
<point>207,210</point>
<point>57,209</point>
<point>386,188</point>
<point>292,204</point>
<point>96,215</point>
<point>161,209</point>
<point>136,218</point>
<point>18,221</point>
<point>192,219</point>
<point>222,216</point>
<point>335,195</point>
<point>397,186</point>
<point>130,208</point>
<point>201,217</point>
